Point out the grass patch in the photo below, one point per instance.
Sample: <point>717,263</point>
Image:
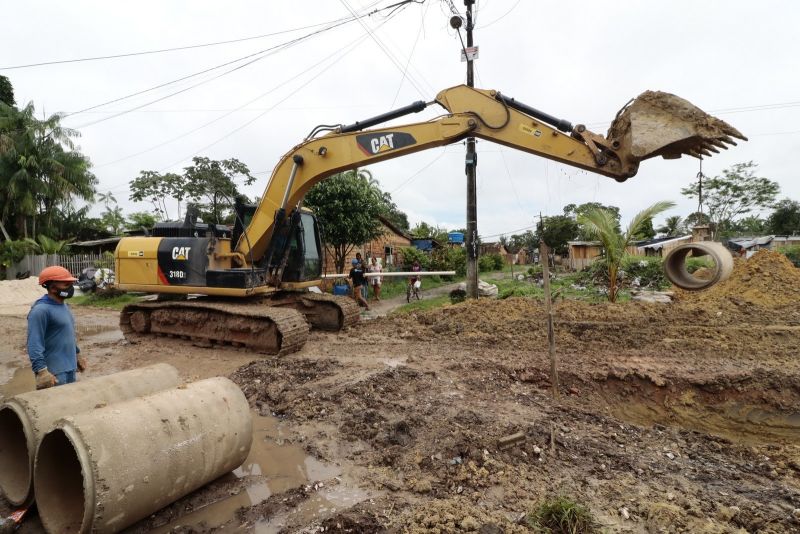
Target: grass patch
<point>561,515</point>
<point>422,305</point>
<point>99,300</point>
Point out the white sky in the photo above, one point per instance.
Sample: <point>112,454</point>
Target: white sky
<point>577,60</point>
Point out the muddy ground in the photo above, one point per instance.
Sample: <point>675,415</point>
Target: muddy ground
<point>670,418</point>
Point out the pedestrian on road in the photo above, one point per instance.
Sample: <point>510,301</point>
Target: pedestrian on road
<point>52,348</point>
<point>358,280</point>
<point>375,281</point>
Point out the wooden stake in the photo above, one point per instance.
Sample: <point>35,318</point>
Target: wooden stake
<point>548,304</point>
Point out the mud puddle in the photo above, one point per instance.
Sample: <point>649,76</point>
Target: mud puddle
<point>275,465</point>
<point>99,333</point>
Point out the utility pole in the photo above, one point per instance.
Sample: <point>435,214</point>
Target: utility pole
<point>471,166</point>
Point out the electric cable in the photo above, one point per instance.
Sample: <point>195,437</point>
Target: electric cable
<point>183,78</point>
<point>173,49</point>
<point>384,48</point>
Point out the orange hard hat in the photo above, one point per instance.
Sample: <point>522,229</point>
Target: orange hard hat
<point>56,273</point>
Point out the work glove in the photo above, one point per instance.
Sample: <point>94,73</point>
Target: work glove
<point>45,379</point>
<point>82,364</point>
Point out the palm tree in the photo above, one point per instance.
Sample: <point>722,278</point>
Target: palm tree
<point>39,168</point>
<point>46,245</point>
<point>602,225</point>
<point>672,226</point>
<point>106,198</point>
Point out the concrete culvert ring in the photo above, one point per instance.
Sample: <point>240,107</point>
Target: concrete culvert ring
<point>677,272</point>
<point>59,484</point>
<point>15,465</point>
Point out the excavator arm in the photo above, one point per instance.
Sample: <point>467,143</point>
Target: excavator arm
<point>661,119</point>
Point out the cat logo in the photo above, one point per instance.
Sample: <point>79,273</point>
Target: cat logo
<point>180,253</point>
<point>373,144</point>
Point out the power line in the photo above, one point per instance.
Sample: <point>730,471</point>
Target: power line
<point>287,43</point>
<point>261,53</point>
<point>410,55</point>
<point>509,232</point>
<point>501,17</point>
<point>384,49</point>
<point>410,178</point>
<point>174,49</point>
<point>353,45</point>
<point>217,119</point>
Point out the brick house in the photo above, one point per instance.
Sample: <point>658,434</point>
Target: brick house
<point>387,248</point>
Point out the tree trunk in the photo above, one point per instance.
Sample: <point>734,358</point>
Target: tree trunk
<point>5,233</point>
<point>612,285</point>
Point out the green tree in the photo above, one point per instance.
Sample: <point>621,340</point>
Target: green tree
<point>646,231</point>
<point>750,225</point>
<point>423,230</point>
<point>393,214</point>
<point>579,210</point>
<point>47,245</point>
<point>106,198</point>
<point>6,92</point>
<point>347,206</point>
<point>738,192</point>
<point>113,219</point>
<point>556,230</point>
<point>158,188</point>
<point>215,183</point>
<point>141,219</point>
<point>785,218</point>
<point>601,224</point>
<point>672,227</point>
<point>40,170</point>
<point>696,218</point>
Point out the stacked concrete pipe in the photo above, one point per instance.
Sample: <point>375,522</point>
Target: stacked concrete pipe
<point>25,418</point>
<point>103,470</point>
<point>675,264</point>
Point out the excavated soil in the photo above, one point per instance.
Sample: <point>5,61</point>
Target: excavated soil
<point>681,417</point>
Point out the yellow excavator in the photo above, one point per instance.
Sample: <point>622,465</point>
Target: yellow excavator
<point>251,283</point>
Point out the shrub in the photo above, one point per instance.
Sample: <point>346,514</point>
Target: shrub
<point>458,295</point>
<point>792,253</point>
<point>693,264</point>
<point>636,271</point>
<point>412,253</point>
<point>485,263</point>
<point>12,252</point>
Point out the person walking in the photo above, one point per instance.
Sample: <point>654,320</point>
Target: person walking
<point>52,348</point>
<point>358,280</point>
<point>375,281</point>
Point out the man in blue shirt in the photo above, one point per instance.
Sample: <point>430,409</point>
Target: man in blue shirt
<point>52,349</point>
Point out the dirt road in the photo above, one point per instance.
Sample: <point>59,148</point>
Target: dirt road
<point>671,418</point>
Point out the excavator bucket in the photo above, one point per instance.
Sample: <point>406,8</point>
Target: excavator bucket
<point>661,124</point>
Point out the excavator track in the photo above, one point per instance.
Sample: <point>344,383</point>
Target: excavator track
<point>254,325</point>
<point>322,311</point>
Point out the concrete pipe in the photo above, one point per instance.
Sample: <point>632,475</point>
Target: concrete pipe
<point>25,418</point>
<point>103,470</point>
<point>675,265</point>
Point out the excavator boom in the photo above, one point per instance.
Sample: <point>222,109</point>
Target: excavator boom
<point>653,124</point>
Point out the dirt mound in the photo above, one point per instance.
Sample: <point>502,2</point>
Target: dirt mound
<point>17,296</point>
<point>767,280</point>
